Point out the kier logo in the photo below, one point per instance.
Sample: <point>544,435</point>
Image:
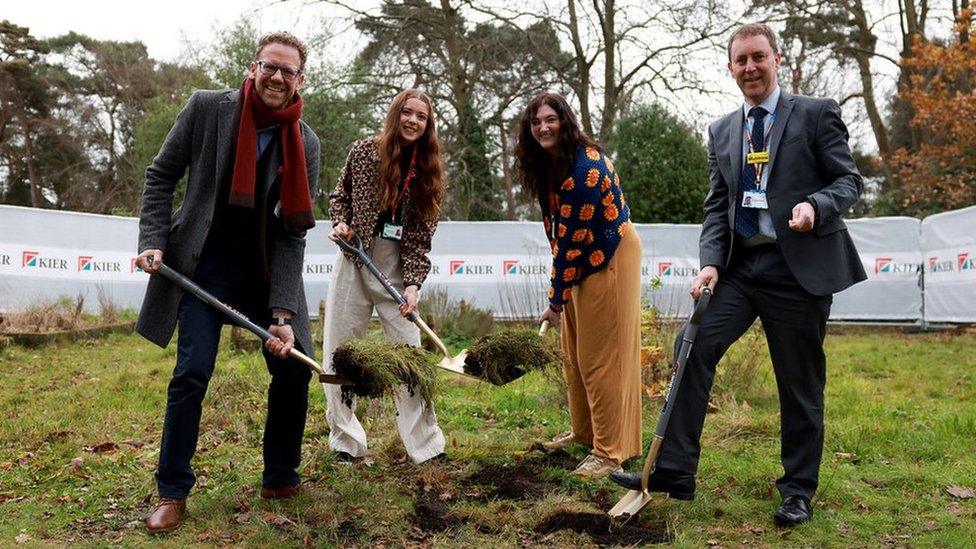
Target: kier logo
<point>667,268</point>
<point>512,267</point>
<point>936,266</point>
<point>882,265</point>
<point>461,267</point>
<point>964,263</point>
<point>86,263</point>
<point>33,260</point>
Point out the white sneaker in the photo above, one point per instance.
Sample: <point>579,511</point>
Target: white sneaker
<point>594,467</point>
<point>561,440</point>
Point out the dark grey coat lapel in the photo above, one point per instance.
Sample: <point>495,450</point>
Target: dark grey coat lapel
<point>735,150</point>
<point>226,113</point>
<point>783,111</point>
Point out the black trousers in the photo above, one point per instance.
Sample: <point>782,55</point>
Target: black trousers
<point>199,335</point>
<point>758,283</point>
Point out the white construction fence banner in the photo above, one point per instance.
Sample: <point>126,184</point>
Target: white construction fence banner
<point>501,266</point>
<point>891,254</point>
<point>949,241</point>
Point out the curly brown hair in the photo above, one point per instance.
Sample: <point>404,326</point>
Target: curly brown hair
<point>535,167</point>
<point>428,190</point>
<point>285,38</point>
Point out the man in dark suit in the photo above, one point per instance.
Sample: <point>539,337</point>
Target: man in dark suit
<point>773,246</point>
<point>240,233</point>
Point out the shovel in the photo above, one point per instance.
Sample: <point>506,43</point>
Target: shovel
<point>635,500</point>
<point>239,319</point>
<point>454,364</point>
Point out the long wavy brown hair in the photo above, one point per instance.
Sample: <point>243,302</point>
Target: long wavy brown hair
<point>536,168</point>
<point>428,189</point>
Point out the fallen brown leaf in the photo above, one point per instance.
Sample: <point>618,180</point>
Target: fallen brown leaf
<point>846,456</point>
<point>873,483</point>
<point>102,447</point>
<point>960,492</point>
<point>276,520</point>
<point>57,435</point>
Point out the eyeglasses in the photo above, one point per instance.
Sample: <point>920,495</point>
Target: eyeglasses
<point>269,69</point>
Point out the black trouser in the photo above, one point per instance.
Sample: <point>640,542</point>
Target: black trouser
<point>758,283</point>
<point>199,335</point>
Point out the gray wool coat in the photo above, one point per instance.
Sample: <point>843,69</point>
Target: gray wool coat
<point>202,141</point>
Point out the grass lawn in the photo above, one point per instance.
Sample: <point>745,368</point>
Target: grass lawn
<point>79,440</point>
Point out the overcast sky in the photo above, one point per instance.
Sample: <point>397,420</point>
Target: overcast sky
<point>168,26</point>
<point>164,26</point>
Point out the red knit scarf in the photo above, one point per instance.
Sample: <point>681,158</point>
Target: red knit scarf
<point>295,198</point>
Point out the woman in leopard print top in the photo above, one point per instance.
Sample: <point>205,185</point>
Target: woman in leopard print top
<point>389,194</point>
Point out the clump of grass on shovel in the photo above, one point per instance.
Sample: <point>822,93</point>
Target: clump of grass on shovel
<point>379,367</point>
<point>507,355</point>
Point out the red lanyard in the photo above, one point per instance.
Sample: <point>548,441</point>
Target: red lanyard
<point>553,210</point>
<point>411,173</point>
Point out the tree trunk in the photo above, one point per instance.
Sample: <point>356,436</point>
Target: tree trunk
<point>582,88</point>
<point>37,199</point>
<point>610,91</point>
<point>865,42</point>
<point>510,212</point>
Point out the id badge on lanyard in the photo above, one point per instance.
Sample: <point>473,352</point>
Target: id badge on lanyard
<point>393,229</point>
<point>758,161</point>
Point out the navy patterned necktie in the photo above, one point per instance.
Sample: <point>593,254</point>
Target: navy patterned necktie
<point>747,219</point>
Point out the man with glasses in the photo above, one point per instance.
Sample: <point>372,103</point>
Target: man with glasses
<point>240,234</point>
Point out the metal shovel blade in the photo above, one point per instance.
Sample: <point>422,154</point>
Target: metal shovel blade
<point>454,364</point>
<point>629,506</point>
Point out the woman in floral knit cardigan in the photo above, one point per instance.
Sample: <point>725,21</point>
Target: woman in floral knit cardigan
<point>594,284</point>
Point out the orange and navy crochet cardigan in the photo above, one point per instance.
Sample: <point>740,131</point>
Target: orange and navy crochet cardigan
<point>590,212</point>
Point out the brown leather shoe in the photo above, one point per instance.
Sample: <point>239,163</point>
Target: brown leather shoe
<point>285,492</point>
<point>167,516</point>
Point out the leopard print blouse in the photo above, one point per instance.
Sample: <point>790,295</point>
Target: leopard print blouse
<point>355,202</point>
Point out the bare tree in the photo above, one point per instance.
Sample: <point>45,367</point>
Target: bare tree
<point>622,50</point>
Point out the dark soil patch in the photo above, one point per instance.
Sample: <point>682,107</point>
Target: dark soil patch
<point>519,481</point>
<point>433,515</point>
<point>348,529</point>
<point>602,531</point>
<point>557,459</point>
<point>507,482</point>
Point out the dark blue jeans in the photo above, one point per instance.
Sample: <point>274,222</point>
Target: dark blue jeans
<point>199,334</point>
